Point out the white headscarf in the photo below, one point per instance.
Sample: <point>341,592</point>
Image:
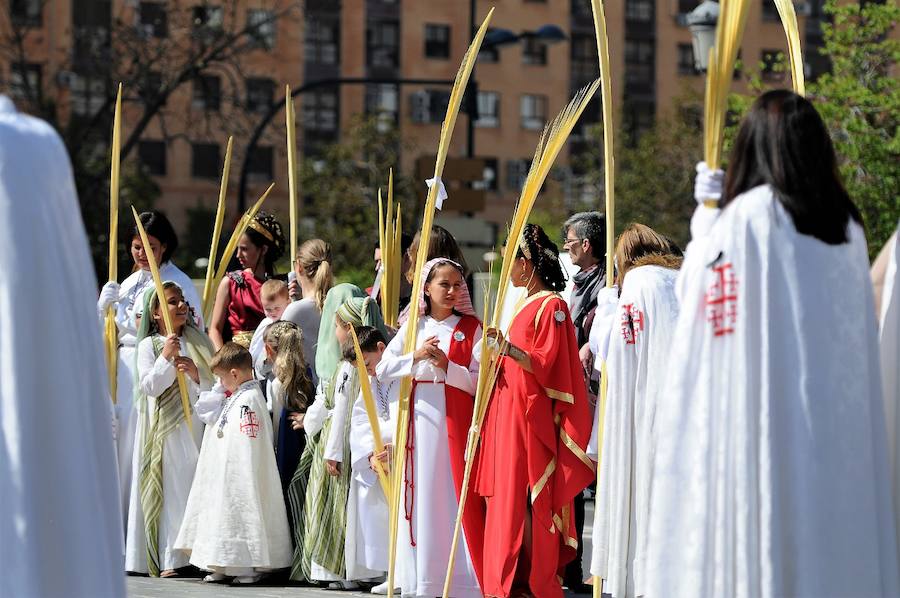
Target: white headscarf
<point>463,306</point>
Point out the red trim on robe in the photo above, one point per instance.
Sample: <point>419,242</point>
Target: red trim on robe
<point>460,406</point>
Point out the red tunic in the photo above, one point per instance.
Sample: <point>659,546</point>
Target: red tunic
<point>533,452</point>
<point>245,310</point>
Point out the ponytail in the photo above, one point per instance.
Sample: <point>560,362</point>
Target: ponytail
<point>314,258</point>
<point>544,255</point>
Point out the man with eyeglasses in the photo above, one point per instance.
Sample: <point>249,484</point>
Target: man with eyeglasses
<point>585,240</point>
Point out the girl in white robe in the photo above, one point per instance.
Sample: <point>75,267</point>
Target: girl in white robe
<point>235,522</point>
<point>636,366</point>
<point>127,299</point>
<point>161,427</point>
<point>771,475</point>
<point>425,534</point>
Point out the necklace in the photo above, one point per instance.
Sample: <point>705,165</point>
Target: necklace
<point>223,419</point>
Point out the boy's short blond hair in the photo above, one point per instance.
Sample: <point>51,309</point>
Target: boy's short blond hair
<point>273,289</point>
<point>231,356</point>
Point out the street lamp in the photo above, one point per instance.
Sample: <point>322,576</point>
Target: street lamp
<point>702,23</point>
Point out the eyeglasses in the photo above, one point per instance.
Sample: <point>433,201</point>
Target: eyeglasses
<point>567,242</point>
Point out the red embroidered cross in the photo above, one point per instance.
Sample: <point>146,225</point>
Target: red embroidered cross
<point>249,422</point>
<point>721,300</point>
<point>632,323</point>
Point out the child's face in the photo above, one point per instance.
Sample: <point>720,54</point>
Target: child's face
<point>341,331</point>
<point>178,310</point>
<point>275,306</point>
<point>233,378</point>
<point>372,358</point>
<point>444,287</point>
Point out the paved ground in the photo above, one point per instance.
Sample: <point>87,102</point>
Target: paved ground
<point>145,587</point>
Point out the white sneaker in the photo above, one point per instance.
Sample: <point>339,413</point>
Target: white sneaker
<point>215,578</point>
<point>380,589</point>
<point>247,579</point>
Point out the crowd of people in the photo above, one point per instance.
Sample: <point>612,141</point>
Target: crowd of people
<point>739,399</point>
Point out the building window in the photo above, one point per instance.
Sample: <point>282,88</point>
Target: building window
<point>490,179</point>
<point>87,95</point>
<point>383,44</point>
<point>26,13</point>
<point>772,65</point>
<point>686,60</point>
<point>533,109</point>
<point>437,41</point>
<point>429,105</point>
<point>769,11</point>
<point>260,94</point>
<point>207,92</point>
<point>152,156</point>
<point>383,102</point>
<point>261,26</point>
<point>320,111</point>
<point>321,42</point>
<point>638,117</point>
<point>640,11</point>
<point>153,19</point>
<point>534,51</point>
<point>205,160</point>
<point>259,163</point>
<point>639,62</point>
<point>488,109</point>
<point>206,18</point>
<point>25,81</point>
<point>584,58</point>
<point>516,173</point>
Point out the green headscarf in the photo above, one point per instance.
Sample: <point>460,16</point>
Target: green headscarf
<point>362,311</point>
<point>328,351</point>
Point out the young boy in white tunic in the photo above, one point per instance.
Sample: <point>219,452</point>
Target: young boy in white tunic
<point>275,299</point>
<point>235,523</point>
<point>367,508</point>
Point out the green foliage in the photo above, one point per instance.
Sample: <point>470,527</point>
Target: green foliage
<point>341,187</point>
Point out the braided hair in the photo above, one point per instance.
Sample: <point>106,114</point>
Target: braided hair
<point>543,254</point>
<point>272,229</point>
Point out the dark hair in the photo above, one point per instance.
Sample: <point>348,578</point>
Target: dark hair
<point>544,256</point>
<point>783,143</point>
<point>368,337</point>
<point>440,244</point>
<point>157,225</point>
<point>231,356</point>
<point>431,274</point>
<point>590,226</point>
<point>270,224</point>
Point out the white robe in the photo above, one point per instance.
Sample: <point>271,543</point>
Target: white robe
<point>367,508</point>
<point>770,476</point>
<point>180,453</point>
<point>890,369</point>
<point>61,524</point>
<point>638,354</point>
<point>129,306</point>
<point>421,568</point>
<point>235,516</point>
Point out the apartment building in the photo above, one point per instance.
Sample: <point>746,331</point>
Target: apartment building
<point>394,59</point>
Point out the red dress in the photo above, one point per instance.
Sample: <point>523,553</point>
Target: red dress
<point>245,310</point>
<point>532,452</point>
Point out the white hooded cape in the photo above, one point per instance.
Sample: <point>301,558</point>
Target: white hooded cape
<point>771,474</point>
<point>638,354</point>
<point>60,522</point>
<point>890,369</point>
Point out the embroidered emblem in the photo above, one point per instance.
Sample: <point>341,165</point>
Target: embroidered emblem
<point>458,336</point>
<point>632,323</point>
<point>249,422</point>
<point>721,300</point>
<point>560,316</point>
